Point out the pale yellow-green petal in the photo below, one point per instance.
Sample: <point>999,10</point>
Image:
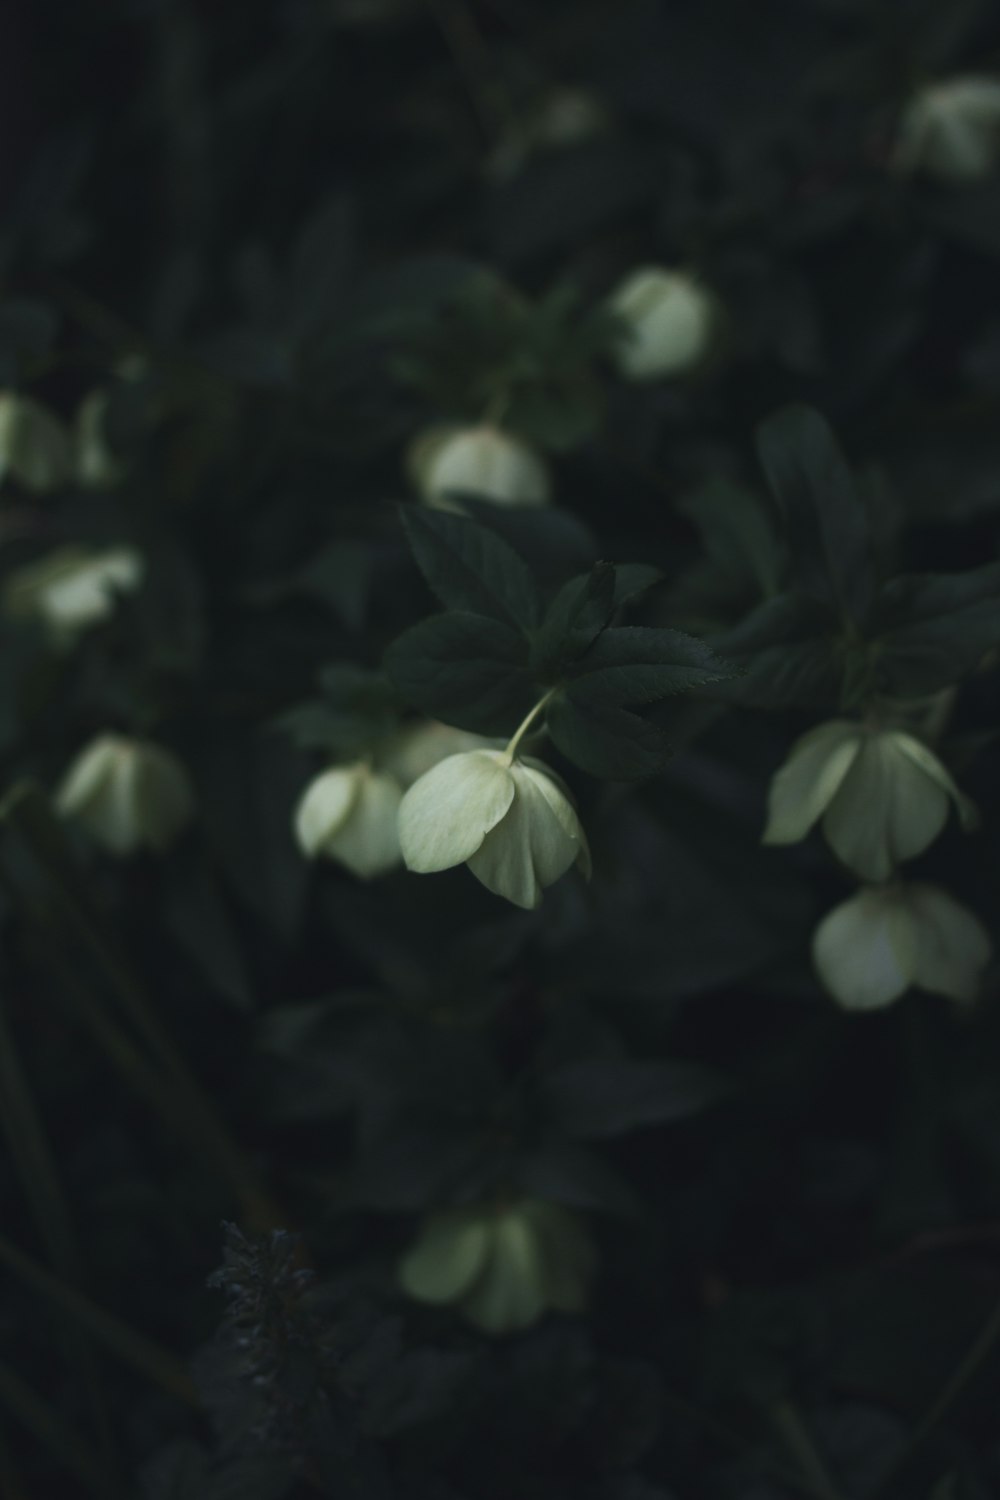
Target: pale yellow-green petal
<point>886,810</point>
<point>555,795</point>
<point>325,805</point>
<point>162,794</point>
<point>367,842</point>
<point>865,951</point>
<point>447,814</point>
<point>447,1257</point>
<point>953,947</point>
<point>503,862</point>
<point>509,1294</point>
<point>916,751</point>
<point>806,784</point>
<point>86,775</point>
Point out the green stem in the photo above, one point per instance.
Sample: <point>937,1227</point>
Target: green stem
<point>132,1348</point>
<point>524,726</point>
<point>795,1436</point>
<point>976,1355</point>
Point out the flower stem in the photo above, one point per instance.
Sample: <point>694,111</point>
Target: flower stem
<point>524,726</point>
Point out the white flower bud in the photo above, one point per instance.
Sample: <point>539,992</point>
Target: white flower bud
<point>349,814</point>
<point>128,794</point>
<point>72,588</point>
<point>670,323</point>
<point>871,949</point>
<point>503,1266</point>
<point>512,823</point>
<point>481,461</point>
<point>35,447</point>
<point>96,464</point>
<point>419,747</point>
<point>882,796</point>
<point>950,130</point>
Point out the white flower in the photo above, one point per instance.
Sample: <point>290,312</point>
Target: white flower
<point>419,747</point>
<point>950,130</point>
<point>73,587</point>
<point>96,463</point>
<point>882,795</point>
<point>871,949</point>
<point>127,793</point>
<point>503,1266</point>
<point>670,323</point>
<point>481,461</point>
<point>511,822</point>
<point>35,447</point>
<point>349,815</point>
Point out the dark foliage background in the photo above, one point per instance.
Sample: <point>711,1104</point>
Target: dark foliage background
<point>226,1056</point>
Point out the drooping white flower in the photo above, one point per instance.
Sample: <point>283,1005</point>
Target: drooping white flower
<point>482,461</point>
<point>670,321</point>
<point>503,1266</point>
<point>510,821</point>
<point>872,948</point>
<point>950,130</point>
<point>418,747</point>
<point>129,794</point>
<point>73,587</point>
<point>882,795</point>
<point>35,448</point>
<point>349,814</point>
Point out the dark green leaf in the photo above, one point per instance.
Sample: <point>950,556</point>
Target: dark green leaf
<point>632,664</point>
<point>936,628</point>
<point>469,567</point>
<point>825,516</point>
<point>467,669</point>
<point>574,620</point>
<point>738,531</point>
<point>195,912</point>
<point>604,740</point>
<point>598,1098</point>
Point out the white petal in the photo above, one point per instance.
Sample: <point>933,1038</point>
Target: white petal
<point>865,950</point>
<point>420,747</point>
<point>928,762</point>
<point>887,809</point>
<point>509,1294</point>
<point>367,842</point>
<point>87,775</point>
<point>483,461</point>
<point>448,1256</point>
<point>557,837</point>
<point>163,795</point>
<point>325,805</point>
<point>953,947</point>
<point>446,815</point>
<point>806,784</point>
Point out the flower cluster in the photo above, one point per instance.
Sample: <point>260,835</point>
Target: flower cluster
<point>881,797</point>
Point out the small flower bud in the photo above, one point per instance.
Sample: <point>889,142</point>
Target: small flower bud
<point>869,950</point>
<point>503,1266</point>
<point>35,447</point>
<point>670,322</point>
<point>481,461</point>
<point>882,795</point>
<point>96,463</point>
<point>349,814</point>
<point>950,130</point>
<point>128,794</point>
<point>512,823</point>
<point>72,588</point>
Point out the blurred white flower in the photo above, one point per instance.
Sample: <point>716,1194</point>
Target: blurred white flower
<point>872,948</point>
<point>73,587</point>
<point>349,814</point>
<point>481,461</point>
<point>35,447</point>
<point>502,1266</point>
<point>419,747</point>
<point>670,323</point>
<point>511,821</point>
<point>882,795</point>
<point>128,794</point>
<point>950,130</point>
